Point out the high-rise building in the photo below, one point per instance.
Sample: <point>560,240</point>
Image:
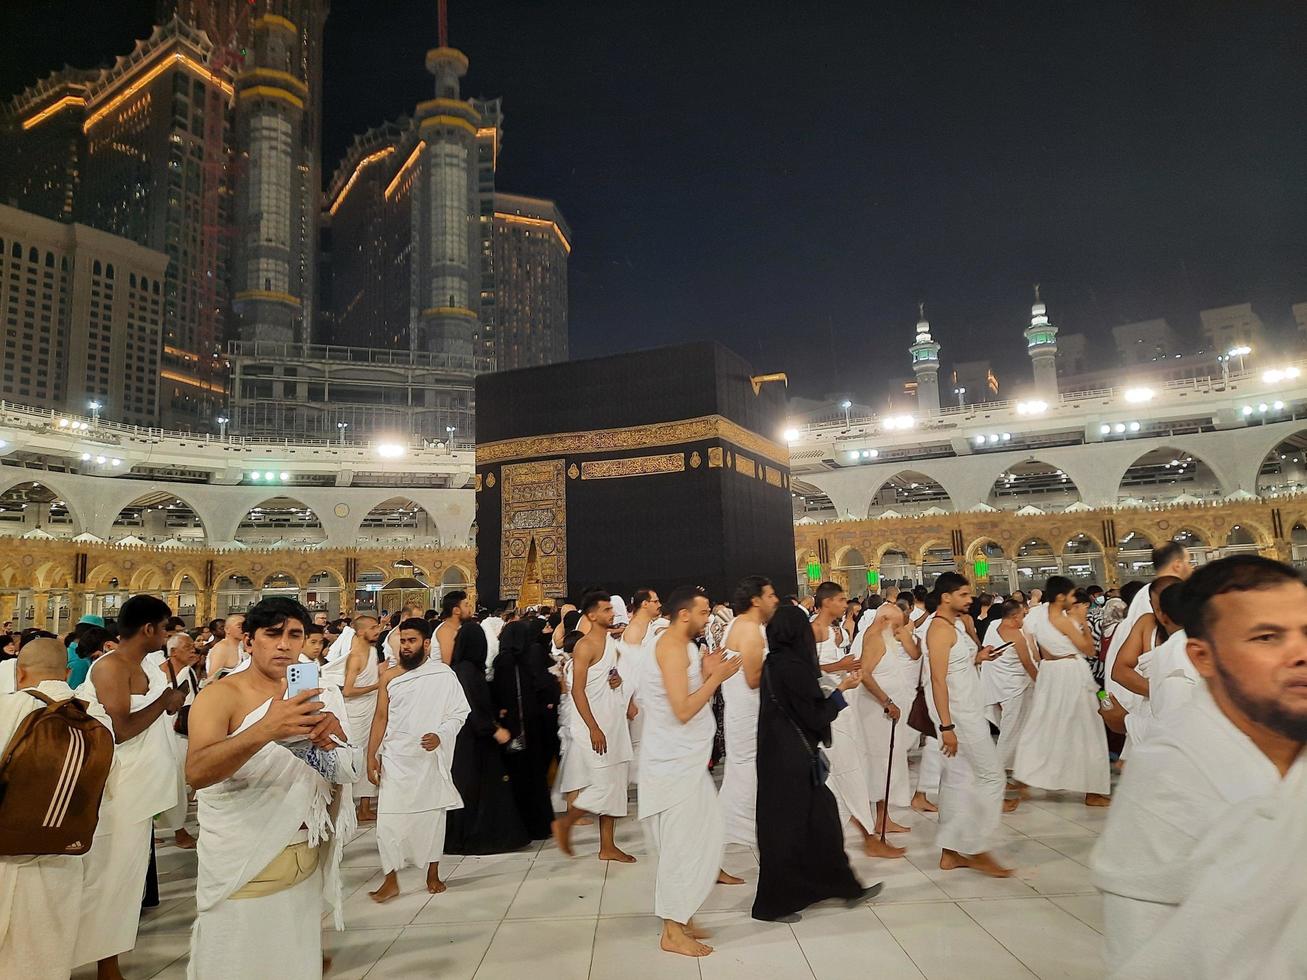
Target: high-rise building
<point>219,109</point>
<point>83,312</point>
<point>427,255</point>
<point>529,319</point>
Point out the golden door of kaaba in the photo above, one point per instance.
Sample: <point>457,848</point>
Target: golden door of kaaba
<point>533,560</point>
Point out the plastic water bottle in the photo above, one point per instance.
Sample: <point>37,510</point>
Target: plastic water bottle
<point>1105,702</point>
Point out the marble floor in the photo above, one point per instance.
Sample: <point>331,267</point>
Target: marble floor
<point>537,912</point>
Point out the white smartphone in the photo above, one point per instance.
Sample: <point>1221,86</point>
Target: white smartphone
<point>301,678</point>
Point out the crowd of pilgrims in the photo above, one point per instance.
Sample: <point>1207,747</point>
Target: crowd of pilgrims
<point>776,723</point>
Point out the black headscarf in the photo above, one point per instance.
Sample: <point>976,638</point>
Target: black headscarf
<point>789,638</point>
<point>470,646</point>
<point>515,638</point>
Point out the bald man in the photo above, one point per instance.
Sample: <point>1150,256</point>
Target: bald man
<point>358,675</point>
<point>41,896</point>
<point>225,655</point>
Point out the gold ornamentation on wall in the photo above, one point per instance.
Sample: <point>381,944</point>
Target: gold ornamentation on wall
<point>476,483</point>
<point>715,457</point>
<point>634,438</point>
<point>695,461</point>
<point>533,505</point>
<point>490,479</point>
<point>613,469</point>
<point>745,465</point>
<point>573,472</point>
<point>772,475</point>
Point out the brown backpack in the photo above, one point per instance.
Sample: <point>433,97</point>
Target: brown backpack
<point>52,778</point>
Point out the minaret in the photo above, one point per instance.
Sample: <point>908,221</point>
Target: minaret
<point>447,262</point>
<point>1041,345</point>
<point>270,104</point>
<point>925,362</point>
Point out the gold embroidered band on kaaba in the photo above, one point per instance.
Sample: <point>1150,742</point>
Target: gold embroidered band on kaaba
<point>630,438</point>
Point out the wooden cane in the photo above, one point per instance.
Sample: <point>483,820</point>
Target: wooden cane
<point>889,771</point>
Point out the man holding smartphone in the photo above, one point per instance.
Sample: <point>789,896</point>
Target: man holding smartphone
<point>272,776</point>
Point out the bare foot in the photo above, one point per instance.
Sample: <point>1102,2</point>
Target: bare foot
<point>888,826</point>
<point>983,862</point>
<point>697,931</point>
<point>584,822</point>
<point>923,805</point>
<point>326,964</point>
<point>107,969</point>
<point>728,879</point>
<point>872,847</point>
<point>1010,806</point>
<point>388,890</point>
<point>365,812</point>
<point>434,885</point>
<point>562,836</point>
<point>676,939</point>
<point>184,840</point>
<point>615,854</point>
<point>1097,799</point>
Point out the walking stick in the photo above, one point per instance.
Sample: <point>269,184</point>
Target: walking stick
<point>889,771</point>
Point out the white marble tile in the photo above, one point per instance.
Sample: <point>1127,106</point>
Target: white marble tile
<point>1087,908</point>
<point>448,952</point>
<point>475,895</point>
<point>361,912</point>
<point>1049,940</point>
<point>627,947</point>
<point>745,948</point>
<point>852,943</point>
<point>1077,849</point>
<point>152,955</point>
<point>629,889</point>
<point>945,943</point>
<point>572,888</point>
<point>519,948</point>
<point>170,917</point>
<point>355,951</point>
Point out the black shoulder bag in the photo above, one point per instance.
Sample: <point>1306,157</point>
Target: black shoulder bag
<point>819,764</point>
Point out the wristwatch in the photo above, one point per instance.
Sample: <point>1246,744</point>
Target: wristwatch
<point>947,728</point>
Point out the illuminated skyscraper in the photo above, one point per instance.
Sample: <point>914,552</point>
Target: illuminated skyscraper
<point>529,319</point>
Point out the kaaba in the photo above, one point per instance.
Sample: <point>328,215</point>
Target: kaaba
<point>653,469</point>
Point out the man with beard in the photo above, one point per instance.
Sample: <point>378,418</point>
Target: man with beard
<point>1201,859</point>
<point>420,710</point>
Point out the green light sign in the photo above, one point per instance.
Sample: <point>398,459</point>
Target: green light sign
<point>873,577</point>
<point>982,568</point>
<point>814,571</point>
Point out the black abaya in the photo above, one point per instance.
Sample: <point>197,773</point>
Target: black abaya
<point>516,682</point>
<point>488,822</point>
<point>801,855</point>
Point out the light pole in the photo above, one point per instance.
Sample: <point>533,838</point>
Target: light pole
<point>1242,351</point>
<point>449,441</point>
<point>95,407</point>
<point>222,421</point>
<point>341,427</point>
<point>846,405</point>
<point>962,396</point>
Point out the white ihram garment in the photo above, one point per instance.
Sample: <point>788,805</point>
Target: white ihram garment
<point>931,766</point>
<point>1007,686</point>
<point>1063,744</point>
<point>1244,916</point>
<point>972,782</point>
<point>274,800</point>
<point>631,661</point>
<point>40,896</point>
<point>142,783</point>
<point>848,758</point>
<point>174,818</point>
<point>417,787</point>
<point>1172,680</point>
<point>1140,606</point>
<point>359,709</point>
<point>571,765</point>
<point>678,804</point>
<point>604,788</point>
<point>739,793</point>
<point>8,676</point>
<point>895,677</point>
<point>1167,836</point>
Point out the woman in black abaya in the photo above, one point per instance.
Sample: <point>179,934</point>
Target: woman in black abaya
<point>488,823</point>
<point>801,855</point>
<point>521,692</point>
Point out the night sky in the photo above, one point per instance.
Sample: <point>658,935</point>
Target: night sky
<point>791,178</point>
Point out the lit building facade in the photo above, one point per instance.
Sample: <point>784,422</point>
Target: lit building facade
<point>83,313</point>
<point>532,243</point>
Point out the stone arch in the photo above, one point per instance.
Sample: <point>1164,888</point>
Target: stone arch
<point>283,519</point>
<point>52,575</point>
<point>279,582</point>
<point>186,572</point>
<point>166,511</point>
<point>1283,470</point>
<point>909,491</point>
<point>455,575</point>
<point>149,577</point>
<point>1191,537</point>
<point>53,512</point>
<point>974,550</point>
<point>1164,472</point>
<point>932,544</point>
<point>399,513</point>
<point>1033,481</point>
<point>849,568</point>
<point>1093,539</point>
<point>1083,559</point>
